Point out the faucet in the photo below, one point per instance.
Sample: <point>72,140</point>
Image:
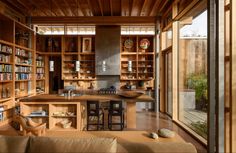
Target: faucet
<point>70,93</point>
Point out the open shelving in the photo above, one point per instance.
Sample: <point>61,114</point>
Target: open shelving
<point>137,61</point>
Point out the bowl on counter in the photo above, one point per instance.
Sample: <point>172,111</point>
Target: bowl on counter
<point>130,93</point>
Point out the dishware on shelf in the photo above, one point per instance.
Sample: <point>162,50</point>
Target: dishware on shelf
<point>144,43</point>
<point>128,43</point>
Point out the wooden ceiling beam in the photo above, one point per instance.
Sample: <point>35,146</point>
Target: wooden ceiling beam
<point>100,6</point>
<point>98,20</point>
<point>92,11</point>
<point>110,2</point>
<point>71,13</point>
<point>124,7</point>
<point>59,8</point>
<point>79,11</point>
<point>16,6</point>
<point>155,7</point>
<point>47,6</point>
<point>36,5</point>
<point>83,7</point>
<point>163,6</point>
<point>144,8</point>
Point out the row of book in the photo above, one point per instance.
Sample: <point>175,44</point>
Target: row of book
<point>19,60</point>
<point>23,76</point>
<point>5,68</point>
<point>40,70</point>
<point>39,76</point>
<point>23,69</point>
<point>5,76</point>
<point>39,63</point>
<point>22,52</point>
<point>5,58</point>
<point>5,49</point>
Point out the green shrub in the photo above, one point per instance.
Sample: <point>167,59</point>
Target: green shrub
<point>198,82</point>
<point>200,128</point>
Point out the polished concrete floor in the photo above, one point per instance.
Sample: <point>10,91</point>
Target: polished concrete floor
<point>148,121</point>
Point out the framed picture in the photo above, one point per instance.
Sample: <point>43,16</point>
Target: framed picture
<point>87,45</point>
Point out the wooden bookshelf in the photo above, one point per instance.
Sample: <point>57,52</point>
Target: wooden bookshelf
<point>55,113</point>
<point>40,74</point>
<point>73,51</point>
<point>142,61</point>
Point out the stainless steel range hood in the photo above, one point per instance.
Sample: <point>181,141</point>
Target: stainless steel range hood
<point>107,46</point>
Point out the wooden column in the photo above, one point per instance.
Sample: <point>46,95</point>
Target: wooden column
<point>233,74</point>
<point>175,62</point>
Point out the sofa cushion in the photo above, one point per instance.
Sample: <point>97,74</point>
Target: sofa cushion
<point>156,147</point>
<point>10,144</point>
<point>72,145</point>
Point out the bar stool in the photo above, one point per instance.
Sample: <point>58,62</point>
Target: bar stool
<point>116,109</point>
<point>94,110</point>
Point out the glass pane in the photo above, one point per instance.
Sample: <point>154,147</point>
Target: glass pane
<point>137,30</point>
<point>51,30</point>
<point>193,72</point>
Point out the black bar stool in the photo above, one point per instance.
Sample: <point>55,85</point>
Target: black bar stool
<point>94,110</point>
<point>116,109</point>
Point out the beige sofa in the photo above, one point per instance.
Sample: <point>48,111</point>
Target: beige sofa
<point>23,144</point>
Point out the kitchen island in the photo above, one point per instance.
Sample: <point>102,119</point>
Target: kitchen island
<point>58,108</point>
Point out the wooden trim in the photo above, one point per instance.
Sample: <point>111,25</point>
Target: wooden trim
<point>175,46</point>
<point>167,27</point>
<point>98,20</point>
<point>167,49</point>
<point>233,73</point>
<point>186,10</point>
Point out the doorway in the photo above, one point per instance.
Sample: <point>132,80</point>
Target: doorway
<point>55,80</point>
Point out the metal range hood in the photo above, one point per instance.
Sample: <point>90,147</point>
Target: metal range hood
<point>107,46</point>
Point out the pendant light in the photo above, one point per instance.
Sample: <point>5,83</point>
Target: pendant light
<point>129,66</point>
<point>51,62</point>
<point>104,67</point>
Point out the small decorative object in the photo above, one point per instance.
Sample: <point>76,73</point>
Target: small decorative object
<point>166,133</point>
<point>128,43</point>
<point>154,135</point>
<point>87,44</point>
<point>51,66</point>
<point>144,43</point>
<point>77,66</point>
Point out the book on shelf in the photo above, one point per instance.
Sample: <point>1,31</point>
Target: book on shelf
<point>4,58</point>
<point>5,49</point>
<point>23,76</point>
<point>5,76</point>
<point>5,68</point>
<point>23,69</point>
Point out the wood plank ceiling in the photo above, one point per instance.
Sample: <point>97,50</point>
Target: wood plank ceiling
<point>86,8</point>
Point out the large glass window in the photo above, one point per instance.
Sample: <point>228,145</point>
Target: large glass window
<point>192,72</point>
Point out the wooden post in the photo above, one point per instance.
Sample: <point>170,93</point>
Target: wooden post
<point>233,74</point>
<point>175,63</point>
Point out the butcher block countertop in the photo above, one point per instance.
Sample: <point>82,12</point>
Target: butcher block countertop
<point>83,98</point>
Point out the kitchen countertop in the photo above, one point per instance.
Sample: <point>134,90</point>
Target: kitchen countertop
<point>84,98</point>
